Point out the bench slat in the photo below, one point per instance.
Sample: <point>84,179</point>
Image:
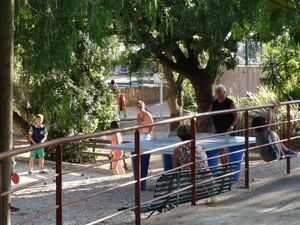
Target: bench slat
<point>177,180</point>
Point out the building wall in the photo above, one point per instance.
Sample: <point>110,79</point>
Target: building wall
<point>241,80</point>
<point>238,82</point>
<point>147,94</point>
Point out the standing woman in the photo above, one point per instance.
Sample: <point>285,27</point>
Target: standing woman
<point>116,139</point>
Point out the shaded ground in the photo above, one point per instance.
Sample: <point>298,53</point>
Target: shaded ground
<point>269,201</point>
<point>273,198</point>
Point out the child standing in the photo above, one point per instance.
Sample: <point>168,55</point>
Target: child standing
<point>37,134</point>
<point>116,154</point>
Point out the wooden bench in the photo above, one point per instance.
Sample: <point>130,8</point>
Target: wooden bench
<point>93,145</point>
<point>101,144</point>
<point>172,182</point>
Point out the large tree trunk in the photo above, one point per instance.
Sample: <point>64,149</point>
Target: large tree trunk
<point>202,82</point>
<point>174,89</point>
<point>20,124</point>
<point>201,79</point>
<point>6,97</point>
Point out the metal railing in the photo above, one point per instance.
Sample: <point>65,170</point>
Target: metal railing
<point>136,156</point>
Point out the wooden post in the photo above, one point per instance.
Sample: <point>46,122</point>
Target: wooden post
<point>6,96</point>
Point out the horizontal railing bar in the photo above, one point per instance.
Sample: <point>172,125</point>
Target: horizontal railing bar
<point>269,125</point>
<point>166,172</point>
<point>98,164</point>
<point>99,193</point>
<point>219,134</point>
<point>28,185</point>
<point>166,147</point>
<point>167,195</point>
<point>295,137</point>
<point>226,154</point>
<point>80,137</point>
<point>111,216</point>
<point>295,120</point>
<point>38,215</point>
<point>265,163</point>
<point>219,177</point>
<point>271,143</point>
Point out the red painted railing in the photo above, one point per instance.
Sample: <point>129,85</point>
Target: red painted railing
<point>136,157</point>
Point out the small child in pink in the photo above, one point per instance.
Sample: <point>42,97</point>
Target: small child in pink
<point>116,138</point>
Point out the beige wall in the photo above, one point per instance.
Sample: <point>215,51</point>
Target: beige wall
<point>149,95</point>
<point>240,80</point>
<point>237,81</point>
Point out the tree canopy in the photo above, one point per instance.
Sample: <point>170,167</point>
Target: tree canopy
<point>60,71</point>
<point>71,45</point>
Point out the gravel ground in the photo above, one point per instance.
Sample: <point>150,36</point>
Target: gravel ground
<point>76,185</point>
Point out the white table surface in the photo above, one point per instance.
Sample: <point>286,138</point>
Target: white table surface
<point>206,144</point>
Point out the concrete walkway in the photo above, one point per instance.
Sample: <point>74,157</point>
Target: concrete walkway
<point>270,201</point>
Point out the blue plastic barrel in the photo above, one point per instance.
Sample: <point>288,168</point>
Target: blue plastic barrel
<point>212,153</point>
<point>167,161</point>
<point>237,157</point>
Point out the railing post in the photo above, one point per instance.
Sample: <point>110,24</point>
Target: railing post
<point>137,177</point>
<point>58,156</point>
<point>193,152</point>
<point>288,133</point>
<point>1,179</point>
<point>247,149</point>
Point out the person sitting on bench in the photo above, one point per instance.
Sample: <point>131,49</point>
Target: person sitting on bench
<point>182,154</point>
<point>264,136</point>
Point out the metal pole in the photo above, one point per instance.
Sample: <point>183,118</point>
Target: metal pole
<point>193,152</point>
<point>247,149</point>
<point>130,82</point>
<point>161,99</point>
<point>137,177</point>
<point>58,156</point>
<point>246,53</point>
<point>289,132</point>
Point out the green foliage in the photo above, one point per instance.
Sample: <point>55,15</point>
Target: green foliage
<point>276,18</point>
<point>189,100</point>
<point>281,66</point>
<point>265,96</point>
<point>70,152</point>
<point>140,63</point>
<point>262,97</point>
<point>192,38</point>
<point>60,71</point>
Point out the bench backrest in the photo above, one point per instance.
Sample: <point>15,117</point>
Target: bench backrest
<point>174,181</point>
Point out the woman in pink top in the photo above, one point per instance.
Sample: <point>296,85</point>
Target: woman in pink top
<point>116,139</point>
